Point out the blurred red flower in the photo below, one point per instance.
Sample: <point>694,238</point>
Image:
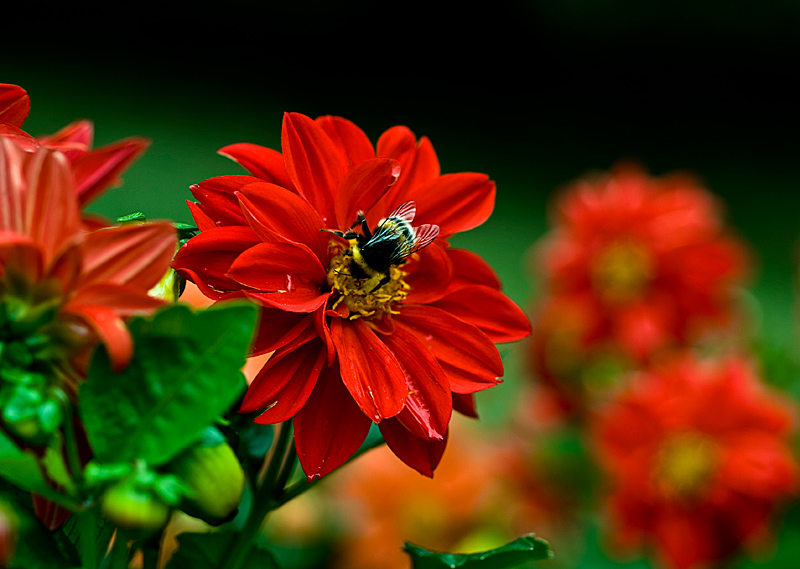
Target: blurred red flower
<point>645,263</point>
<point>401,354</point>
<point>93,170</point>
<point>699,459</point>
<point>48,261</point>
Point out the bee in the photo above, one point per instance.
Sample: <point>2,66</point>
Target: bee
<point>392,241</point>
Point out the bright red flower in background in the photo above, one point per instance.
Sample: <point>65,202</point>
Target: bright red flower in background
<point>699,459</point>
<point>93,170</point>
<point>403,355</point>
<point>93,280</point>
<point>645,261</point>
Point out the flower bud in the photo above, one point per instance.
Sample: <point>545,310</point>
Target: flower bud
<point>215,480</point>
<point>131,506</point>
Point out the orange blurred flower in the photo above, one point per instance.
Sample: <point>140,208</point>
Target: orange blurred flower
<point>698,457</point>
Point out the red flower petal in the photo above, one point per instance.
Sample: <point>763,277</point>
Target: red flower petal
<point>488,309</point>
<point>264,163</point>
<point>315,165</point>
<point>363,185</point>
<point>123,300</point>
<point>421,455</point>
<point>284,384</point>
<point>429,275</point>
<point>207,257</point>
<point>429,403</point>
<point>99,169</point>
<point>454,202</point>
<point>19,137</point>
<point>285,215</point>
<point>369,369</point>
<point>111,330</point>
<point>218,200</point>
<point>276,328</point>
<point>279,267</point>
<point>351,140</point>
<point>467,355</point>
<point>464,403</point>
<point>129,254</point>
<point>299,300</point>
<point>329,428</point>
<point>15,104</point>
<point>470,268</point>
<point>73,140</point>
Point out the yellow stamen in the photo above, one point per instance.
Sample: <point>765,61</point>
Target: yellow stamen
<point>685,465</point>
<point>621,271</point>
<point>361,297</point>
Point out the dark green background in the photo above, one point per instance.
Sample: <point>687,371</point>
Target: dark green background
<point>533,93</point>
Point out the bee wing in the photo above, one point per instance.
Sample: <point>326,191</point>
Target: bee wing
<point>406,211</point>
<point>423,236</point>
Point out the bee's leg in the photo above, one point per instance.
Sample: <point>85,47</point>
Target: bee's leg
<point>364,226</point>
<point>383,281</point>
<point>339,233</point>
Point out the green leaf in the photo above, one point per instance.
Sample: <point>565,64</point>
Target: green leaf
<point>184,375</point>
<point>208,550</point>
<point>520,551</point>
<point>22,469</point>
<point>90,533</point>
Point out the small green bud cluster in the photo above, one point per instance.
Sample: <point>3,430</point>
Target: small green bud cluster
<point>205,481</point>
<point>33,405</point>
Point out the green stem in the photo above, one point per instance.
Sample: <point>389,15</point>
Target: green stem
<point>71,447</point>
<point>263,500</point>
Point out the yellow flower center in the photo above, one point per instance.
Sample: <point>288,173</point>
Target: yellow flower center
<point>621,271</point>
<point>685,465</point>
<point>362,297</point>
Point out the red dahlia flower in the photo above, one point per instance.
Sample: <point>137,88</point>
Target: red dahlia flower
<point>699,458</point>
<point>646,258</point>
<point>349,350</point>
<point>93,170</point>
<point>74,285</point>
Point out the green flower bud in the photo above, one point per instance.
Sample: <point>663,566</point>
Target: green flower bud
<point>131,506</point>
<point>215,480</point>
<point>169,288</point>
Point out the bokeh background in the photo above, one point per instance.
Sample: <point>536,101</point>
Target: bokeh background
<point>531,92</point>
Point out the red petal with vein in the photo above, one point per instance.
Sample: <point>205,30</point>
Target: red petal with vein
<point>129,254</point>
<point>279,267</point>
<point>276,328</point>
<point>421,455</point>
<point>15,104</point>
<point>464,403</point>
<point>13,189</point>
<point>350,139</point>
<point>207,257</point>
<point>329,428</point>
<point>467,355</point>
<point>111,330</point>
<point>470,268</point>
<point>22,253</point>
<point>369,369</point>
<point>73,140</point>
<point>285,214</point>
<point>123,300</point>
<point>20,137</point>
<point>300,300</point>
<point>315,165</point>
<point>99,169</point>
<point>264,163</point>
<point>51,214</point>
<point>363,185</point>
<point>201,220</point>
<point>284,384</point>
<point>418,165</point>
<point>454,202</point>
<point>218,200</point>
<point>488,309</point>
<point>429,403</point>
<point>429,275</point>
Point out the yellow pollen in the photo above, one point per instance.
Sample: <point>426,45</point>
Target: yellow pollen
<point>685,465</point>
<point>356,295</point>
<point>621,271</point>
